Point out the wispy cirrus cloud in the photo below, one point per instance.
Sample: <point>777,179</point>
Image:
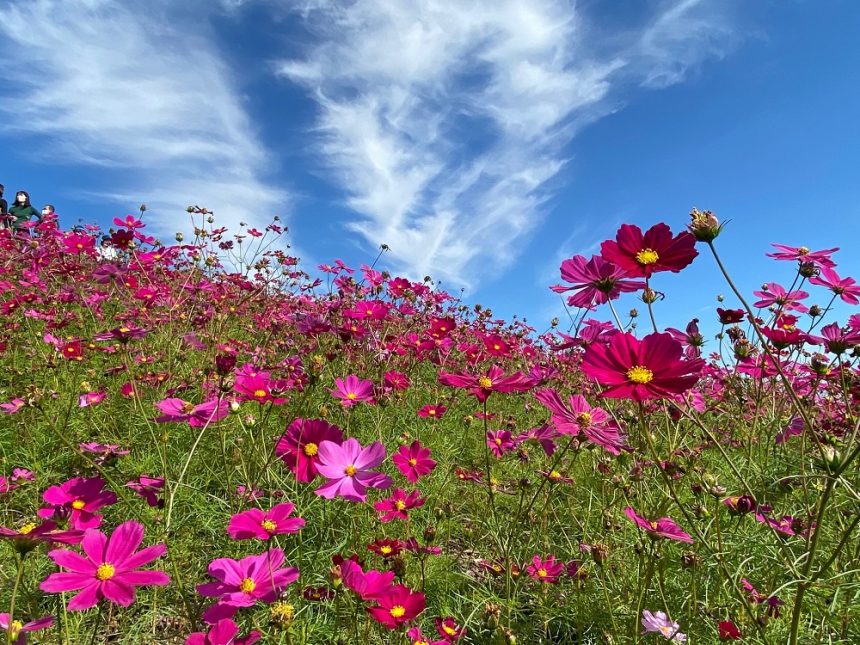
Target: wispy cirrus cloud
<point>131,87</point>
<point>447,123</point>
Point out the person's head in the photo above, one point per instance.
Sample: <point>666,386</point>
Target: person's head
<point>105,240</point>
<point>1,190</point>
<point>22,197</point>
<point>48,209</point>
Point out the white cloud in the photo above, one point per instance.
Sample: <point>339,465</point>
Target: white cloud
<point>445,123</point>
<point>134,88</point>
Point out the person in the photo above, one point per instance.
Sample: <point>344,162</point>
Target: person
<point>106,250</point>
<point>4,206</point>
<point>47,209</point>
<point>21,211</point>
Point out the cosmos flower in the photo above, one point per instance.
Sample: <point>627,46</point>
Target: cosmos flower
<point>846,288</point>
<point>352,390</point>
<point>643,255</point>
<point>650,368</point>
<point>659,623</point>
<point>299,446</point>
<point>109,567</point>
<point>775,294</point>
<point>413,461</point>
<point>481,386</point>
<point>397,506</point>
<point>596,281</point>
<point>579,418</point>
<point>348,468</point>
<point>263,525</point>
<point>17,631</point>
<point>399,606</point>
<point>663,527</point>
<point>78,499</point>
<point>547,570</point>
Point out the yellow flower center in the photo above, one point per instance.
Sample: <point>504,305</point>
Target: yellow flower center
<point>542,573</point>
<point>449,630</point>
<point>647,256</point>
<point>498,441</point>
<point>259,393</point>
<point>583,418</point>
<point>485,382</point>
<point>666,630</point>
<point>247,586</point>
<point>400,505</point>
<point>653,525</point>
<point>124,330</point>
<point>431,412</point>
<point>27,528</point>
<point>311,449</point>
<point>555,475</point>
<point>269,526</point>
<point>78,504</point>
<point>803,250</point>
<point>105,571</point>
<point>352,396</point>
<point>187,407</point>
<point>420,643</point>
<point>15,630</point>
<point>385,550</point>
<point>413,462</point>
<point>640,374</point>
<point>350,470</point>
<point>397,611</point>
<point>497,347</point>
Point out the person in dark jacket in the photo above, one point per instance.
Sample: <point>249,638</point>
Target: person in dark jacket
<point>22,210</point>
<point>3,205</point>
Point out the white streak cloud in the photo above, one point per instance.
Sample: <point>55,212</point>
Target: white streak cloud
<point>446,123</point>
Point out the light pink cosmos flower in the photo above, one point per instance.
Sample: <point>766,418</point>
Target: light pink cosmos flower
<point>597,281</point>
<point>108,569</point>
<point>352,390</point>
<point>224,632</point>
<point>13,406</point>
<point>578,417</point>
<point>413,462</point>
<point>78,498</point>
<point>17,631</point>
<point>257,524</point>
<point>663,527</point>
<point>348,468</point>
<point>397,506</point>
<point>659,623</point>
<point>241,583</point>
<point>197,416</point>
<point>775,294</point>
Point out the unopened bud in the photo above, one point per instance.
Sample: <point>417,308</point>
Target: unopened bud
<point>704,226</point>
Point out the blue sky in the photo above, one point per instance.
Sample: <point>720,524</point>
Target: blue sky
<point>483,140</point>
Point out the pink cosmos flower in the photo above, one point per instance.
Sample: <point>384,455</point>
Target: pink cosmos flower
<point>27,537</point>
<point>399,606</point>
<point>13,406</point>
<point>449,629</point>
<point>413,462</point>
<point>17,631</point>
<point>650,368</point>
<point>580,418</point>
<point>109,567</point>
<point>597,281</point>
<point>148,488</point>
<point>241,583</point>
<point>76,243</point>
<point>352,390</point>
<point>803,254</point>
<point>6,486</point>
<point>500,442</point>
<point>260,388</point>
<point>260,525</point>
<point>663,527</point>
<point>643,255</point>
<point>481,386</point>
<point>197,416</point>
<point>224,632</point>
<point>845,288</point>
<point>416,637</point>
<point>432,411</point>
<point>106,452</point>
<point>397,506</point>
<point>547,570</point>
<point>838,340</point>
<point>299,447</point>
<point>91,398</point>
<point>78,498</point>
<point>369,585</point>
<point>348,468</point>
<point>775,294</point>
<point>659,623</point>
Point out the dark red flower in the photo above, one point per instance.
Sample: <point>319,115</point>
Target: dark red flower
<point>643,255</point>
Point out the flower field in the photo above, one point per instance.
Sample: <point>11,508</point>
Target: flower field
<point>202,443</point>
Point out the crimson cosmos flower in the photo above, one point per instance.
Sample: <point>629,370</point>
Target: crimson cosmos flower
<point>650,368</point>
<point>299,447</point>
<point>643,255</point>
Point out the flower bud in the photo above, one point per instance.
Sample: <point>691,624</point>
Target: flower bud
<point>704,226</point>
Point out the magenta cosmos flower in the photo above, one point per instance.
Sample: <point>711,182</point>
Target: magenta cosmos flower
<point>241,583</point>
<point>643,255</point>
<point>663,527</point>
<point>845,288</point>
<point>108,568</point>
<point>369,585</point>
<point>803,254</point>
<point>224,632</point>
<point>417,637</point>
<point>579,418</point>
<point>596,281</point>
<point>481,386</point>
<point>260,525</point>
<point>299,447</point>
<point>399,606</point>
<point>17,631</point>
<point>413,462</point>
<point>775,294</point>
<point>650,368</point>
<point>352,390</point>
<point>348,468</point>
<point>547,570</point>
<point>197,416</point>
<point>79,498</point>
<point>397,506</point>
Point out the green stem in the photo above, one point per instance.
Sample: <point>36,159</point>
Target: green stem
<point>18,577</point>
